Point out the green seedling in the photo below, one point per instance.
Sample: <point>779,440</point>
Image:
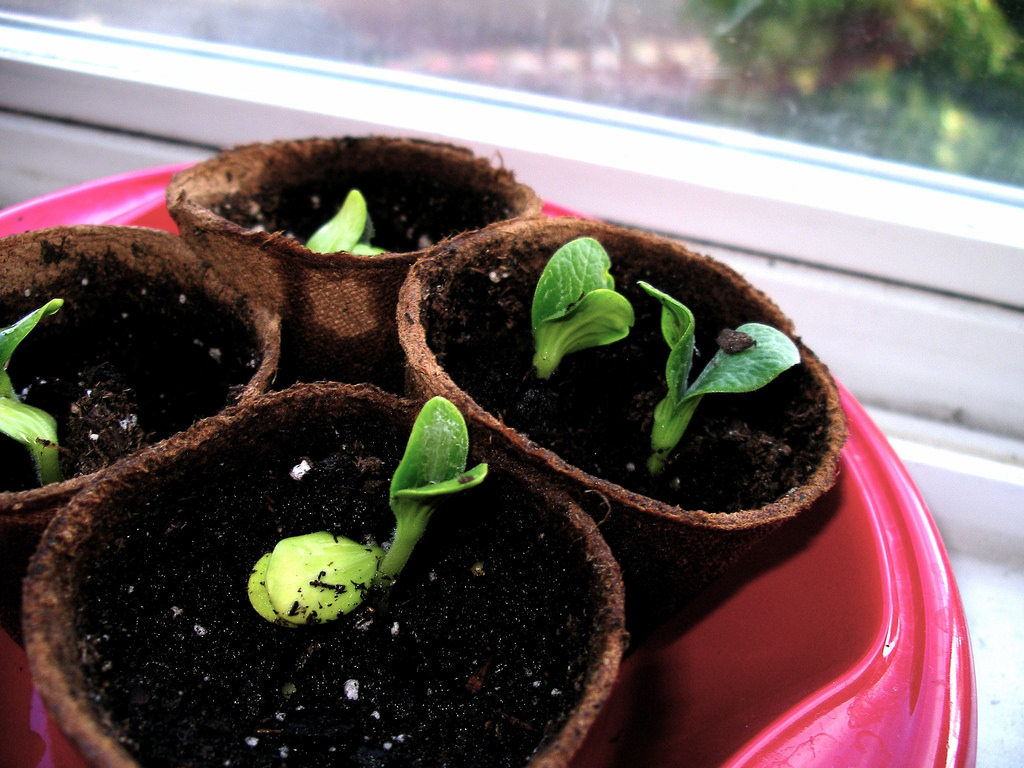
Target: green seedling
<point>748,359</point>
<point>349,230</point>
<point>576,306</point>
<point>30,426</point>
<point>320,577</point>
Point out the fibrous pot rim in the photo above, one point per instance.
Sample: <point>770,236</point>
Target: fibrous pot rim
<point>193,191</point>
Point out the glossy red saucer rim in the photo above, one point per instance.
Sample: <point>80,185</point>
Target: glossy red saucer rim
<point>911,700</point>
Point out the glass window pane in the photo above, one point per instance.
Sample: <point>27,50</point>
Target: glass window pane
<point>933,83</point>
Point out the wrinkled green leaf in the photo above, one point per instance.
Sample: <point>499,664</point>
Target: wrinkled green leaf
<point>575,305</point>
<point>437,449</point>
<point>574,270</point>
<point>600,317</point>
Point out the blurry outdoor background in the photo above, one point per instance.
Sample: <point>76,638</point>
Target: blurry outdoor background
<point>937,84</point>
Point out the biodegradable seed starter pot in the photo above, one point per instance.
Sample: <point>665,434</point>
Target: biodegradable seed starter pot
<point>251,210</point>
<point>148,341</point>
<point>748,461</point>
<point>497,645</point>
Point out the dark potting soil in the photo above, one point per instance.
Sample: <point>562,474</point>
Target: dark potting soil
<point>138,364</point>
<point>476,653</point>
<point>408,212</point>
<point>739,452</point>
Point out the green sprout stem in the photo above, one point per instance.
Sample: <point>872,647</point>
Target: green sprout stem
<point>409,529</point>
<point>30,426</point>
<point>319,577</point>
<point>413,508</point>
<point>36,430</point>
<point>670,422</point>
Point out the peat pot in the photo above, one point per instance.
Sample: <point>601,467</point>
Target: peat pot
<point>497,644</point>
<point>148,341</point>
<point>747,463</point>
<point>252,208</point>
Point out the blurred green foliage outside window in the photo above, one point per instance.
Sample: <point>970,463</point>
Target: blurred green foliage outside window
<point>937,83</point>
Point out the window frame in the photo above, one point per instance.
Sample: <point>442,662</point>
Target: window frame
<point>702,183</point>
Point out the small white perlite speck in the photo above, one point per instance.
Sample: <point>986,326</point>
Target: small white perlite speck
<point>351,689</point>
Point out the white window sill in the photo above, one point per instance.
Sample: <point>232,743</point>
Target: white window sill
<point>991,591</point>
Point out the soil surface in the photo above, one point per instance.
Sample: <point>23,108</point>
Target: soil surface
<point>136,365</point>
<point>740,451</point>
<point>408,212</point>
<point>476,653</point>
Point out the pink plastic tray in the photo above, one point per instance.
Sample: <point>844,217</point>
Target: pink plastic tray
<point>840,641</point>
